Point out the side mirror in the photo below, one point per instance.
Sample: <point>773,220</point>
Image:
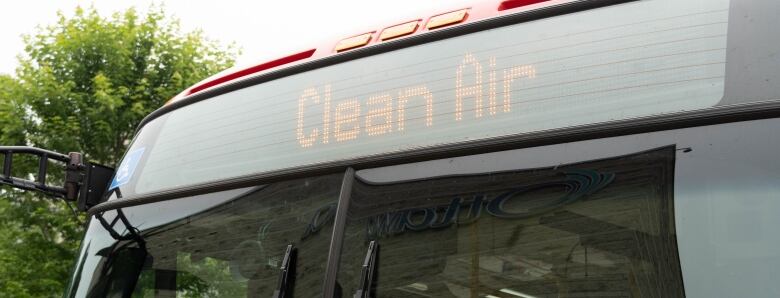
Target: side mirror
<point>85,182</point>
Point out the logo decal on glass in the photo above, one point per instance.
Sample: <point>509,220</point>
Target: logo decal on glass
<point>578,183</point>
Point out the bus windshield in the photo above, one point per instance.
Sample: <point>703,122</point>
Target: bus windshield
<point>616,62</point>
<point>675,213</point>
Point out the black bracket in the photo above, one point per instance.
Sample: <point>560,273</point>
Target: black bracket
<point>85,183</point>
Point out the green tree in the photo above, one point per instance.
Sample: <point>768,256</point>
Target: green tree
<point>12,132</point>
<point>83,85</point>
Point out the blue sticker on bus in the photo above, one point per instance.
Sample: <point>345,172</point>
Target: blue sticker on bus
<point>126,168</point>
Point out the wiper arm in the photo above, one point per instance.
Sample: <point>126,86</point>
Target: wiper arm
<point>368,276</point>
<point>287,275</point>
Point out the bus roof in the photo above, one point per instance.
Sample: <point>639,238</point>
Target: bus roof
<point>416,25</point>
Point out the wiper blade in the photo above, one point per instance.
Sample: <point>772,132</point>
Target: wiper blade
<point>368,276</point>
<point>287,275</point>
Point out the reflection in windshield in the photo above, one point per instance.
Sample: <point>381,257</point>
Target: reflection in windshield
<point>121,263</point>
<point>234,249</point>
<point>600,228</point>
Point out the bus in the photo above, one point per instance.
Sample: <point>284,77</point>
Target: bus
<point>518,148</point>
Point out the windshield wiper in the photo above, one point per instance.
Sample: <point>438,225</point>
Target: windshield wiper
<point>287,275</point>
<point>368,277</point>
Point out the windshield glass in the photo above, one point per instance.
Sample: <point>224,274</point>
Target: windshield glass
<point>600,228</point>
<point>677,213</point>
<point>226,244</point>
<point>684,213</point>
<point>616,62</point>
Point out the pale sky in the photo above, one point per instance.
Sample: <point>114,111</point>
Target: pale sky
<point>263,29</point>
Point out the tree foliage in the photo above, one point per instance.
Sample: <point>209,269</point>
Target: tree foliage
<point>12,132</point>
<point>83,85</point>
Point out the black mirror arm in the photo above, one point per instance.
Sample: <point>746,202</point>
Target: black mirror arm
<point>39,184</point>
<point>85,183</point>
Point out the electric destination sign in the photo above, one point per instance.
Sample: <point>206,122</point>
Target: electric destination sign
<point>385,113</point>
<point>613,64</point>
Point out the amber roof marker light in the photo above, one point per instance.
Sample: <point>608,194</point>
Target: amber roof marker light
<point>447,19</point>
<point>354,42</point>
<point>399,30</point>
